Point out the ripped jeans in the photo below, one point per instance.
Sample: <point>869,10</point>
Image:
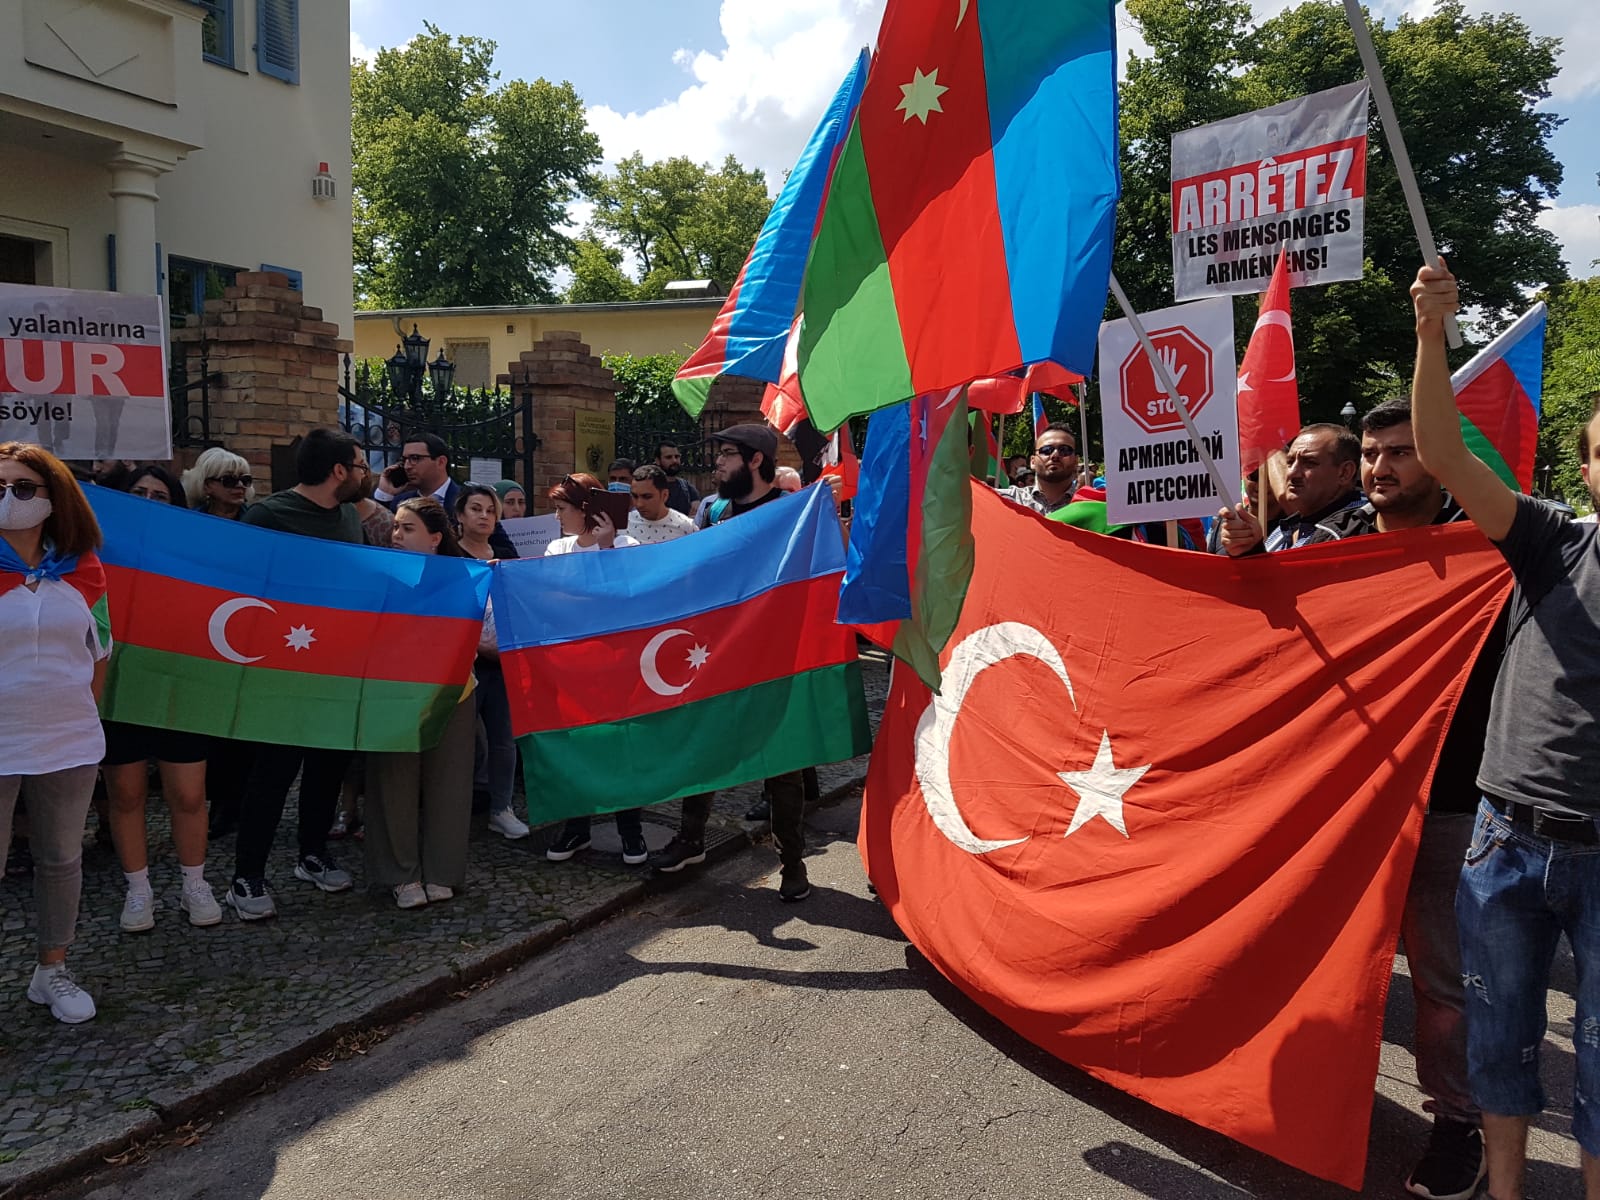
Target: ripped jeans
<point>1519,893</point>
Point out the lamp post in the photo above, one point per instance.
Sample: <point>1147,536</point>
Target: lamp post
<point>1347,414</point>
<point>410,365</point>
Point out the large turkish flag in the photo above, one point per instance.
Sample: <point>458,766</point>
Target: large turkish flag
<point>1162,816</point>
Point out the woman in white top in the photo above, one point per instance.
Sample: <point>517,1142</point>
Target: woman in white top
<point>53,652</point>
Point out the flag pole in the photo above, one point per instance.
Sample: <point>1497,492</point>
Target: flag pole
<point>1085,479</point>
<point>1397,148</point>
<point>1164,378</point>
<point>1000,452</point>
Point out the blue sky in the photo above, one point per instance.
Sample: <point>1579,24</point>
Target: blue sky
<point>750,77</point>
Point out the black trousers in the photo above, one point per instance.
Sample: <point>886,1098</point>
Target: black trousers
<point>321,775</point>
<point>788,795</point>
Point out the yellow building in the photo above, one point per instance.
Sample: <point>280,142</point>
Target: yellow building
<point>483,341</point>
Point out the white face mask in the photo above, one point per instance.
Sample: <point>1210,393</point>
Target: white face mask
<point>23,514</point>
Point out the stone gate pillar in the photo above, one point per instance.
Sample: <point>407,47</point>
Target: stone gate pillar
<point>562,380</point>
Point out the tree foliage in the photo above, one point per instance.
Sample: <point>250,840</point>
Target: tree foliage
<point>1484,167</point>
<point>1571,382</point>
<point>461,185</point>
<point>674,219</point>
<point>644,386</point>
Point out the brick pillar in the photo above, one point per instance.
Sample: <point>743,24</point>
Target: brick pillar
<point>562,378</point>
<point>279,363</point>
<point>737,401</point>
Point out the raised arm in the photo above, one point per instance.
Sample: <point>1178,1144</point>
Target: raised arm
<point>1436,423</point>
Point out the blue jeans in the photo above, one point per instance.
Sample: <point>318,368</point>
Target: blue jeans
<point>1519,893</point>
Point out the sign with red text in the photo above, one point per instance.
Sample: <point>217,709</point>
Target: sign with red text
<point>1153,470</point>
<point>84,374</point>
<point>1292,177</point>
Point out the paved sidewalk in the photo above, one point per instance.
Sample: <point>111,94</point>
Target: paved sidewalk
<point>191,1017</point>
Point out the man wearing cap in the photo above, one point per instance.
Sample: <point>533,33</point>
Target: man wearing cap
<point>746,467</point>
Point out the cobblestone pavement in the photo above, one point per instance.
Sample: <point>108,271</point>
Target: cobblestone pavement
<point>188,1016</point>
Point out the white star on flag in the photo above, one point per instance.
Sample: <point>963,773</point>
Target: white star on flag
<point>299,638</point>
<point>921,95</point>
<point>1101,788</point>
<point>698,657</point>
<point>1244,383</point>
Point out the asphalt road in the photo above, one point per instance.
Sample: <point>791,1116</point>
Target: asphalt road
<point>715,1043</point>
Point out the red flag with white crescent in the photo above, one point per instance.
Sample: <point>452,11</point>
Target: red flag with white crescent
<point>1269,397</point>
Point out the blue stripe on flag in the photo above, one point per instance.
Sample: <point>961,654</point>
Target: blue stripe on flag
<point>877,580</point>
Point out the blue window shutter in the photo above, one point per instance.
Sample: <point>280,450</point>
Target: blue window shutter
<point>278,39</point>
<point>296,281</point>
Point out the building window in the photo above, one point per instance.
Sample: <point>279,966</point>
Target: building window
<point>278,39</point>
<point>18,260</point>
<point>472,362</point>
<point>191,283</point>
<point>216,31</point>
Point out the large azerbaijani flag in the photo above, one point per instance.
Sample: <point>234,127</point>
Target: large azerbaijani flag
<point>1498,394</point>
<point>968,226</point>
<point>749,334</point>
<point>701,663</point>
<point>225,629</point>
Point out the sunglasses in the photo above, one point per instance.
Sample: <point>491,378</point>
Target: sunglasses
<point>233,481</point>
<point>22,489</point>
<point>1052,451</point>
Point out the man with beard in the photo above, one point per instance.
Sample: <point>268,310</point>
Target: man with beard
<point>1324,460</point>
<point>1055,471</point>
<point>746,467</point>
<point>331,468</point>
<point>1402,495</point>
<point>682,496</point>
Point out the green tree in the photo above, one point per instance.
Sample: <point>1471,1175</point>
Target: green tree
<point>1484,167</point>
<point>460,185</point>
<point>1571,382</point>
<point>644,387</point>
<point>675,219</point>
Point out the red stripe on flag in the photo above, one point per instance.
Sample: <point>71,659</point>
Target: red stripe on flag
<point>1497,405</point>
<point>164,613</point>
<point>598,680</point>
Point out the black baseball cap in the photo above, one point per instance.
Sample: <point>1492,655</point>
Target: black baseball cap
<point>751,438</point>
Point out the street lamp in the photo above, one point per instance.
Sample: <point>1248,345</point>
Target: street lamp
<point>410,364</point>
<point>1347,414</point>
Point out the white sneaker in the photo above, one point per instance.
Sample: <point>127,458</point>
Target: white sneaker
<point>505,823</point>
<point>201,905</point>
<point>438,891</point>
<point>53,986</point>
<point>138,911</point>
<point>410,895</point>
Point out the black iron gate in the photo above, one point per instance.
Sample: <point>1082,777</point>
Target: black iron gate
<point>485,423</point>
<point>640,434</point>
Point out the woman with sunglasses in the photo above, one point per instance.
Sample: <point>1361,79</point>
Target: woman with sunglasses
<point>219,483</point>
<point>419,805</point>
<point>181,760</point>
<point>54,642</point>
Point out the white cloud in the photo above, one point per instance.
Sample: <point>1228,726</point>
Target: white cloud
<point>359,49</point>
<point>1577,226</point>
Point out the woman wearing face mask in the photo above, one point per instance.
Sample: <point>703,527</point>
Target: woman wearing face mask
<point>181,759</point>
<point>419,805</point>
<point>53,650</point>
<point>579,534</point>
<point>219,484</point>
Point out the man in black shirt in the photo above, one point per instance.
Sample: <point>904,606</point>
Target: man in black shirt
<point>681,494</point>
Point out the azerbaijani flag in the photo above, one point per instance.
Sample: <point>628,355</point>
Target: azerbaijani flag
<point>968,227</point>
<point>1498,394</point>
<point>1039,419</point>
<point>749,333</point>
<point>226,629</point>
<point>641,674</point>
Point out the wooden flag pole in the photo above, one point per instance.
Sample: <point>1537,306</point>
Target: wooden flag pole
<point>1084,476</point>
<point>1164,378</point>
<point>1397,148</point>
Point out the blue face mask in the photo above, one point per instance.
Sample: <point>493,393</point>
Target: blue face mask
<point>616,485</point>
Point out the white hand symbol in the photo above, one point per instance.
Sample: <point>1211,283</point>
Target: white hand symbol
<point>1169,359</point>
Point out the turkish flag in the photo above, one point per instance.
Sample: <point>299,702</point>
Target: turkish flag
<point>1007,393</point>
<point>1166,835</point>
<point>1269,397</point>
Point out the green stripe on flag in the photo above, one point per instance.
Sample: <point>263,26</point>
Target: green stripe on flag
<point>692,394</point>
<point>258,704</point>
<point>783,725</point>
<point>852,357</point>
<point>1478,442</point>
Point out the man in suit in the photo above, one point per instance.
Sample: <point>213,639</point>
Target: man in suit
<point>423,470</point>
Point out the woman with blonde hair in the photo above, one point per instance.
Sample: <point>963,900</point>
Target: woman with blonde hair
<point>219,483</point>
<point>54,643</point>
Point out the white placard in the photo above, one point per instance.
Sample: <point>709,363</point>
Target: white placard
<point>1153,471</point>
<point>1290,177</point>
<point>530,535</point>
<point>84,374</point>
<point>485,470</point>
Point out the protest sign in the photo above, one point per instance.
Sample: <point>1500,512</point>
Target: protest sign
<point>1154,472</point>
<point>84,374</point>
<point>530,535</point>
<point>1290,177</point>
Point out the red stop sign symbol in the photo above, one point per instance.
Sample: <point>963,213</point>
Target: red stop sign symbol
<point>1188,360</point>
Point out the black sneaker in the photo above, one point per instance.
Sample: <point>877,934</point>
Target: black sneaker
<point>794,886</point>
<point>1453,1164</point>
<point>251,899</point>
<point>761,811</point>
<point>634,849</point>
<point>568,844</point>
<point>678,854</point>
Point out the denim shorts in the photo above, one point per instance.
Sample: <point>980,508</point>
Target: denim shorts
<point>1519,893</point>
